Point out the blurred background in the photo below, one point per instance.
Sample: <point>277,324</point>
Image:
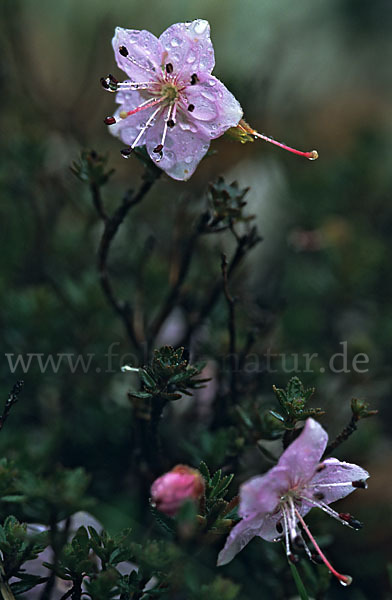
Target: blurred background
<point>312,74</point>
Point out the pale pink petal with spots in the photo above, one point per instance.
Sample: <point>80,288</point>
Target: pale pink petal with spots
<point>184,147</point>
<point>261,494</point>
<point>143,61</point>
<point>304,454</point>
<point>189,48</point>
<point>335,480</point>
<point>239,537</point>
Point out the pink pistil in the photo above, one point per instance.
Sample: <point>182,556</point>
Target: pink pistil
<point>344,579</point>
<point>312,155</point>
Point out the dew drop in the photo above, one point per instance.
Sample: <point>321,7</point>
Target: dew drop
<point>314,156</point>
<point>348,581</point>
<point>176,42</point>
<point>205,147</point>
<point>200,26</point>
<point>133,38</point>
<point>188,160</point>
<point>211,82</point>
<point>191,58</point>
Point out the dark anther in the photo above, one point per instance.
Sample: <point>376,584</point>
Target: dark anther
<point>112,79</point>
<point>354,523</point>
<point>319,495</point>
<point>194,79</point>
<point>317,559</point>
<point>361,483</point>
<point>126,152</point>
<point>123,51</point>
<point>279,527</point>
<point>293,558</point>
<point>104,83</point>
<point>191,107</point>
<point>169,68</point>
<point>158,149</point>
<point>321,467</point>
<point>170,123</point>
<point>298,542</point>
<point>109,121</point>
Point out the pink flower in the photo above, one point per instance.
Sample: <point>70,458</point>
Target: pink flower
<point>170,491</point>
<point>171,103</point>
<point>272,506</point>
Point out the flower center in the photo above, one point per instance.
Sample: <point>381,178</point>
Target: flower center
<point>169,91</point>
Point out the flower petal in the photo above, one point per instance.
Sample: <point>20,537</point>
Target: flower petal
<point>184,148</point>
<point>335,480</point>
<point>189,48</point>
<point>239,537</point>
<point>261,494</point>
<point>303,455</point>
<point>144,53</point>
<point>212,101</point>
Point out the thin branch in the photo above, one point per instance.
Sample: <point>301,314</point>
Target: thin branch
<point>245,243</point>
<point>232,329</point>
<point>11,400</point>
<point>174,292</point>
<point>112,224</point>
<point>97,200</point>
<point>343,435</point>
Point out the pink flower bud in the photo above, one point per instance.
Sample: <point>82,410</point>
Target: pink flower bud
<point>170,491</point>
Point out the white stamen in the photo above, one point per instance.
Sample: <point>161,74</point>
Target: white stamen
<point>286,531</point>
<point>174,112</point>
<point>146,126</point>
<point>168,117</point>
<point>328,485</point>
<point>132,85</point>
<point>293,531</point>
<point>327,509</point>
<point>143,67</point>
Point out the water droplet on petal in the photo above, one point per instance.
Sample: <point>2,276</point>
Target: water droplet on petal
<point>200,26</point>
<point>188,160</point>
<point>191,58</point>
<point>176,42</point>
<point>211,82</point>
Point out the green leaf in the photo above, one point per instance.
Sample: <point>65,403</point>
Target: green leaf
<point>204,470</point>
<point>216,478</point>
<point>27,583</point>
<point>14,498</point>
<point>221,488</point>
<point>277,416</point>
